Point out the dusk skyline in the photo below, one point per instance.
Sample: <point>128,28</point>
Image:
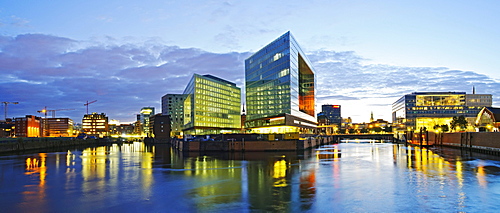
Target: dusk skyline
<point>128,55</point>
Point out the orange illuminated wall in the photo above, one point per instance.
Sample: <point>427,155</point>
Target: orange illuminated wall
<point>28,126</point>
<point>306,88</point>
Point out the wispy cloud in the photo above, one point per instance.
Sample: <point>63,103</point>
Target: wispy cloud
<point>41,70</point>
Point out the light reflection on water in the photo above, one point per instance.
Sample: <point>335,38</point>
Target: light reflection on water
<point>348,177</point>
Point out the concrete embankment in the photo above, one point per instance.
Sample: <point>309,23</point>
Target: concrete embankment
<point>242,145</point>
<point>24,144</point>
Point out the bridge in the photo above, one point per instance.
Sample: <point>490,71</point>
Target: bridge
<point>337,138</point>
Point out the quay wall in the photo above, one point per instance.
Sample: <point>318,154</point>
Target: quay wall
<point>242,145</point>
<point>488,142</point>
<point>25,144</point>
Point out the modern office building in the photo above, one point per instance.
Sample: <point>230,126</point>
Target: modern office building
<point>332,114</point>
<point>58,127</point>
<point>29,126</point>
<point>173,105</point>
<point>146,113</point>
<point>428,109</point>
<point>212,106</point>
<point>280,89</point>
<point>95,125</point>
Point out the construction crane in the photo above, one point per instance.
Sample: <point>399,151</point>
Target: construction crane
<point>5,108</point>
<point>45,110</point>
<point>87,104</point>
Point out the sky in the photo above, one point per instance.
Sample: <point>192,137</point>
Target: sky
<point>128,54</point>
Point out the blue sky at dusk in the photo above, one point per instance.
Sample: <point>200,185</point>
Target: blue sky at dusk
<point>128,54</point>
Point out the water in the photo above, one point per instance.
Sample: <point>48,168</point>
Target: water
<point>348,177</point>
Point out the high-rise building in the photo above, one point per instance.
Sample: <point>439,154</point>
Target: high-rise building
<point>173,105</point>
<point>280,89</point>
<point>332,113</point>
<point>212,106</point>
<point>95,125</point>
<point>430,109</point>
<point>28,126</point>
<point>146,113</point>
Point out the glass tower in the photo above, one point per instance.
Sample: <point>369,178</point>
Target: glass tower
<point>280,88</point>
<point>212,106</point>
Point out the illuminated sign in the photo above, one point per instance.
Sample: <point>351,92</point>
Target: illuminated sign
<point>336,106</point>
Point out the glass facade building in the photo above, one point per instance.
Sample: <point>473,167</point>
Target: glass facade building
<point>280,81</point>
<point>332,113</point>
<point>428,109</point>
<point>212,106</point>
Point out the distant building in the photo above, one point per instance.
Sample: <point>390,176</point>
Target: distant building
<point>280,89</point>
<point>429,109</point>
<point>29,126</point>
<point>331,114</point>
<point>7,128</point>
<point>488,119</point>
<point>57,127</point>
<point>173,105</point>
<point>95,125</point>
<point>146,113</point>
<point>121,129</point>
<point>212,106</point>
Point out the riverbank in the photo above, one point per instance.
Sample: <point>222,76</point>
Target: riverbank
<point>11,145</point>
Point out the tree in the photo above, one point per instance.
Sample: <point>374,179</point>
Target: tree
<point>460,122</point>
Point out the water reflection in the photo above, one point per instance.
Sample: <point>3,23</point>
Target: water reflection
<point>352,177</point>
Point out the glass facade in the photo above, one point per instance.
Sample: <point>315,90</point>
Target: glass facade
<point>332,113</point>
<point>419,110</point>
<point>279,79</point>
<point>212,106</point>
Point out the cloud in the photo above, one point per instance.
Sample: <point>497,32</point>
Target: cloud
<point>41,70</point>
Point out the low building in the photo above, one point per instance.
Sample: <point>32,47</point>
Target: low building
<point>428,110</point>
<point>95,125</point>
<point>29,126</point>
<point>488,120</point>
<point>7,128</point>
<point>57,127</point>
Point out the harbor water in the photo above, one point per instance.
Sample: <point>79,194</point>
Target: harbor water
<point>348,177</point>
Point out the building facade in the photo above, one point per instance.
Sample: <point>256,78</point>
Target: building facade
<point>488,119</point>
<point>160,125</point>
<point>212,106</point>
<point>173,105</point>
<point>95,125</point>
<point>331,113</point>
<point>58,127</point>
<point>145,115</point>
<point>430,109</point>
<point>29,126</point>
<point>280,81</point>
